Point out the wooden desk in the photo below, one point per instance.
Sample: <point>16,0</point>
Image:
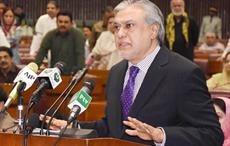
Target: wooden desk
<point>8,139</point>
<point>209,62</point>
<point>98,103</point>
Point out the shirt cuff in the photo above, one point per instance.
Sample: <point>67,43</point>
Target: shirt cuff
<point>164,138</point>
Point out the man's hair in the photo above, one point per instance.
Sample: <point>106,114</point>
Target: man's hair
<point>152,13</point>
<point>65,13</point>
<point>183,3</point>
<point>54,3</point>
<point>220,103</point>
<point>7,50</point>
<point>87,26</point>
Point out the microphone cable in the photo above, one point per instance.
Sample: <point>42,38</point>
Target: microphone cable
<point>76,79</point>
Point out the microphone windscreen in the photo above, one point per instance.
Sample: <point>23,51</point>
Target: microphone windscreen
<point>60,65</point>
<point>33,66</point>
<point>90,83</point>
<point>34,121</point>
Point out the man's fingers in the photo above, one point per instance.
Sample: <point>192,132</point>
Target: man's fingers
<point>131,132</point>
<point>130,124</point>
<point>138,124</point>
<point>149,129</point>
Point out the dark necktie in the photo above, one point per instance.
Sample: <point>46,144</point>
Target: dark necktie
<point>128,92</point>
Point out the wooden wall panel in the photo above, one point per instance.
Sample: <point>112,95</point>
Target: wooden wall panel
<point>91,9</point>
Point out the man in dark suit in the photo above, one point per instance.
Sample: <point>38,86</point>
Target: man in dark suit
<point>154,96</point>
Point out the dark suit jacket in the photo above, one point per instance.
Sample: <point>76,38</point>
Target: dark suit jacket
<point>173,95</point>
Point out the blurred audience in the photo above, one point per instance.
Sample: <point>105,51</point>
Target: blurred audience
<point>3,40</point>
<point>8,70</point>
<point>181,30</point>
<point>211,23</point>
<point>221,81</point>
<point>19,15</point>
<point>44,24</point>
<point>6,121</point>
<point>104,54</point>
<point>9,29</point>
<point>24,30</point>
<point>2,7</point>
<point>227,49</point>
<point>65,44</point>
<point>211,44</point>
<point>90,41</point>
<point>222,107</point>
<point>101,25</point>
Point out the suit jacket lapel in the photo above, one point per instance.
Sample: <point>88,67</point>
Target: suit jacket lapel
<point>155,74</point>
<point>115,100</point>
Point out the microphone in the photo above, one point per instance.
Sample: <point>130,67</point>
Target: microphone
<point>49,78</point>
<point>23,82</point>
<point>81,100</point>
<point>79,75</point>
<point>34,122</point>
<point>75,80</point>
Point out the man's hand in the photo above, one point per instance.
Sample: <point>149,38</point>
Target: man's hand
<point>56,124</point>
<point>143,130</point>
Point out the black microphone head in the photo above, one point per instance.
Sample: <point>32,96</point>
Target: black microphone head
<point>34,121</point>
<point>89,83</point>
<point>74,70</point>
<point>60,65</point>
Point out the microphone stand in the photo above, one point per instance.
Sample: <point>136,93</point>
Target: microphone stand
<point>55,102</point>
<point>76,79</point>
<point>20,108</point>
<point>59,106</point>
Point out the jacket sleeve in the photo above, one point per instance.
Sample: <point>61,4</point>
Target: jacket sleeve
<point>45,46</point>
<point>199,126</point>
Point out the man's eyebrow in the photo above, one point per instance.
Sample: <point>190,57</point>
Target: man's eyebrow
<point>124,22</point>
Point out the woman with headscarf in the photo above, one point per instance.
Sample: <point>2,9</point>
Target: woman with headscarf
<point>221,81</point>
<point>222,107</point>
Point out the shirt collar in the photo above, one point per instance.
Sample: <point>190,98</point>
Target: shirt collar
<point>147,61</point>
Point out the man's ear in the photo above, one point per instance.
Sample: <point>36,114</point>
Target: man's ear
<point>154,30</point>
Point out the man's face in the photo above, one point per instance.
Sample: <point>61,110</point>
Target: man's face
<point>2,7</point>
<point>5,61</point>
<point>64,23</point>
<point>177,7</point>
<point>87,32</point>
<point>134,37</point>
<point>210,40</point>
<point>18,11</point>
<point>51,10</point>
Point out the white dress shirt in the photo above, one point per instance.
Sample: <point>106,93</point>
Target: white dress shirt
<point>143,66</point>
<point>3,40</point>
<point>44,24</point>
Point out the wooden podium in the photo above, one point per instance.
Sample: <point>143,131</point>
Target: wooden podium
<point>9,139</point>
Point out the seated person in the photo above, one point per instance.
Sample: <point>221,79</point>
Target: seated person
<point>221,81</point>
<point>227,49</point>
<point>211,44</point>
<point>6,120</point>
<point>222,107</point>
<point>8,70</point>
<point>3,40</point>
<point>104,54</point>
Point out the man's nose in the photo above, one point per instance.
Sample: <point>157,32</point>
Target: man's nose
<point>121,32</point>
